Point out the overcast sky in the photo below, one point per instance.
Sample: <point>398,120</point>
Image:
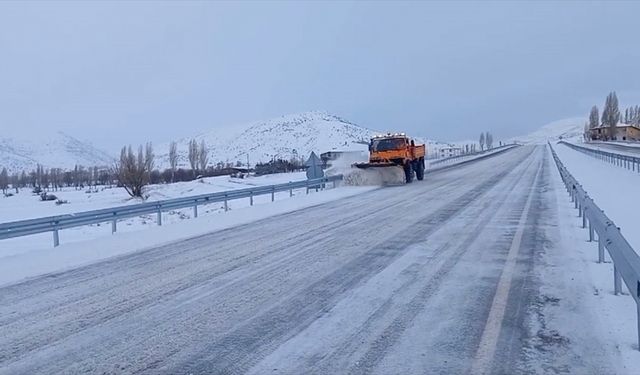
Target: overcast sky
<point>122,72</point>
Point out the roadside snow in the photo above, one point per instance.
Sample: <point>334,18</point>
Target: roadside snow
<point>612,147</point>
<point>613,188</point>
<point>587,306</point>
<point>26,205</point>
<point>22,258</point>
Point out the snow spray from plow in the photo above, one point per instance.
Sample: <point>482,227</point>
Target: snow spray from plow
<point>353,176</point>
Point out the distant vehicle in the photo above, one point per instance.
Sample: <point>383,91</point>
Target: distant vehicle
<point>396,150</point>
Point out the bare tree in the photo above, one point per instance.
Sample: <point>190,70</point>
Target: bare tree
<point>488,139</point>
<point>133,172</point>
<point>481,141</point>
<point>594,117</point>
<point>173,159</point>
<point>193,156</point>
<point>15,181</point>
<point>4,180</point>
<point>203,156</point>
<point>585,135</point>
<point>611,115</point>
<point>149,157</point>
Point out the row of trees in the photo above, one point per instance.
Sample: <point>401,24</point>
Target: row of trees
<point>198,156</point>
<point>135,171</point>
<point>135,168</point>
<point>55,178</point>
<point>486,140</point>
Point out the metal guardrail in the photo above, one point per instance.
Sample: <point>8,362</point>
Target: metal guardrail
<point>626,262</point>
<point>56,223</point>
<point>624,161</point>
<point>456,157</point>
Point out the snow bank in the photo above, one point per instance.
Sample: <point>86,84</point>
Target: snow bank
<point>588,306</point>
<point>613,188</point>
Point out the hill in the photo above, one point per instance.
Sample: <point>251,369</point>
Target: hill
<point>285,137</point>
<point>569,128</point>
<point>58,150</point>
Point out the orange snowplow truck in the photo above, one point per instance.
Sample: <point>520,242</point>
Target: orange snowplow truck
<point>396,150</point>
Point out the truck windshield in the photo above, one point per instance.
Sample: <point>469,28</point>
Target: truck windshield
<point>387,144</point>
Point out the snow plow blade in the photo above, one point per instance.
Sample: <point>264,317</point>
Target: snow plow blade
<point>374,165</point>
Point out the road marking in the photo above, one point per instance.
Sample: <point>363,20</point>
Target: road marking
<point>489,340</point>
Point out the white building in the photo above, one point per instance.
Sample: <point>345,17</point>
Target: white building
<point>446,152</point>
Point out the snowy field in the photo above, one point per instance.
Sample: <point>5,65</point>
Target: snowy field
<point>26,205</point>
<point>613,189</point>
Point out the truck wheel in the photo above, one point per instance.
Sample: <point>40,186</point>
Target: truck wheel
<point>420,170</point>
<point>408,173</point>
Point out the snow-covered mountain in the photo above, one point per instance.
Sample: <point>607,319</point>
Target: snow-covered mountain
<point>569,128</point>
<point>56,150</point>
<point>283,137</point>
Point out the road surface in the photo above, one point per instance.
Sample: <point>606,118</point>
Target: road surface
<point>433,277</point>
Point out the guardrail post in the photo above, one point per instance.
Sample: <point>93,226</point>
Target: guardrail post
<point>226,203</point>
<point>251,198</point>
<point>159,216</point>
<point>273,193</point>
<point>584,218</point>
<point>114,226</point>
<point>638,318</point>
<point>590,231</point>
<point>56,238</point>
<point>600,249</point>
<point>290,190</point>
<point>580,211</point>
<point>195,210</point>
<point>617,281</point>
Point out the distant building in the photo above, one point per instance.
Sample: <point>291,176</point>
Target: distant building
<point>447,152</point>
<point>624,132</point>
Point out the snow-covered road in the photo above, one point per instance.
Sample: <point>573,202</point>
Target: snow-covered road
<point>440,276</point>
